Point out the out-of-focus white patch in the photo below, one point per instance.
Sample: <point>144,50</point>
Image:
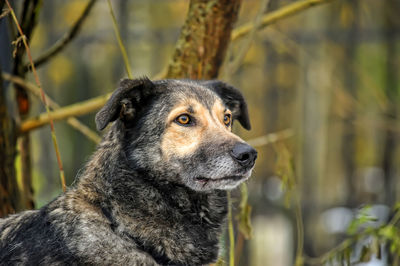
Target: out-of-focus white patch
<point>273,188</point>
<point>272,242</point>
<point>336,220</point>
<point>373,178</point>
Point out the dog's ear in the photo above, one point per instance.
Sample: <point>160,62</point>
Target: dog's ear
<point>233,99</point>
<point>125,101</point>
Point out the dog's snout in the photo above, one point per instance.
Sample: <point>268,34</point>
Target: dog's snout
<point>244,154</point>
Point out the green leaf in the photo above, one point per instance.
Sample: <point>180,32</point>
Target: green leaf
<point>362,218</point>
<point>393,247</point>
<point>388,232</point>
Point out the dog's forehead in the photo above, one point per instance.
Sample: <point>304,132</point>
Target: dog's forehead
<point>181,91</point>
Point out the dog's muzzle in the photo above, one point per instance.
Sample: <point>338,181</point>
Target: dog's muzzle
<point>244,154</point>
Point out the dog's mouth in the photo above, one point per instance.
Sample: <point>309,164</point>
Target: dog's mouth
<point>227,178</point>
<point>223,183</point>
<point>215,181</point>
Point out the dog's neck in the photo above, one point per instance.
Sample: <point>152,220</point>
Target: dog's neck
<point>171,222</point>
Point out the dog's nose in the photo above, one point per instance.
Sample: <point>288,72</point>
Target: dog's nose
<point>244,154</point>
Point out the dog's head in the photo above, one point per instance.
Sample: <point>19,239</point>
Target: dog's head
<point>180,131</point>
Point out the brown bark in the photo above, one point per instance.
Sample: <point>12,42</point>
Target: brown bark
<point>26,170</point>
<point>204,39</point>
<point>9,194</point>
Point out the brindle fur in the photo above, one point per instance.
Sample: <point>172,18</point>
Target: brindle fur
<point>135,203</point>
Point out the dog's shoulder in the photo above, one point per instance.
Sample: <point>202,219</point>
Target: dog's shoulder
<point>31,236</point>
<point>67,231</point>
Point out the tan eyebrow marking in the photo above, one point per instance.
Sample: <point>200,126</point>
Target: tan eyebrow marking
<point>181,141</point>
<point>218,111</point>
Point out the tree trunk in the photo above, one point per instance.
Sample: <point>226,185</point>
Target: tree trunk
<point>11,199</point>
<point>388,162</point>
<point>204,39</point>
<point>348,148</point>
<point>9,194</point>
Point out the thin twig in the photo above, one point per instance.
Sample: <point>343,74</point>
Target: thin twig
<point>53,134</point>
<point>331,253</point>
<point>85,130</point>
<point>395,218</point>
<point>72,121</point>
<point>120,43</point>
<point>65,39</point>
<point>231,233</point>
<point>239,247</point>
<point>65,112</point>
<point>234,65</point>
<point>271,138</point>
<point>272,17</point>
<point>300,230</point>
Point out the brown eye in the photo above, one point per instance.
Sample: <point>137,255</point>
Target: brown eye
<point>227,120</point>
<point>183,119</point>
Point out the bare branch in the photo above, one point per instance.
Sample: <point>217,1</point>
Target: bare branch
<point>67,38</point>
<point>276,15</point>
<point>119,40</point>
<point>271,138</point>
<point>65,112</point>
<point>75,123</point>
<point>231,66</point>
<point>85,130</point>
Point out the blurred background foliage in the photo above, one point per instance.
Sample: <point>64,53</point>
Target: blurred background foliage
<point>325,82</point>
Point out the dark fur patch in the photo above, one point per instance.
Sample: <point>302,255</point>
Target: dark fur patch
<point>233,99</point>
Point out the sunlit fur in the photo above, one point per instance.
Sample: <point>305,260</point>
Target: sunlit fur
<point>202,149</point>
<point>153,191</point>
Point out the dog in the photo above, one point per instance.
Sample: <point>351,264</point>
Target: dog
<point>154,192</point>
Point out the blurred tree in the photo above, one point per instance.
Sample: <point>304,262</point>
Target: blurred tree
<point>9,194</point>
<point>391,90</point>
<point>350,83</point>
<point>204,38</point>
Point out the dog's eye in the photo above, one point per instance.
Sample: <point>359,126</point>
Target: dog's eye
<point>183,120</point>
<point>227,120</point>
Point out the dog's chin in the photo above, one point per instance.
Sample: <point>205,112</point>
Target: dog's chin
<point>223,183</point>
